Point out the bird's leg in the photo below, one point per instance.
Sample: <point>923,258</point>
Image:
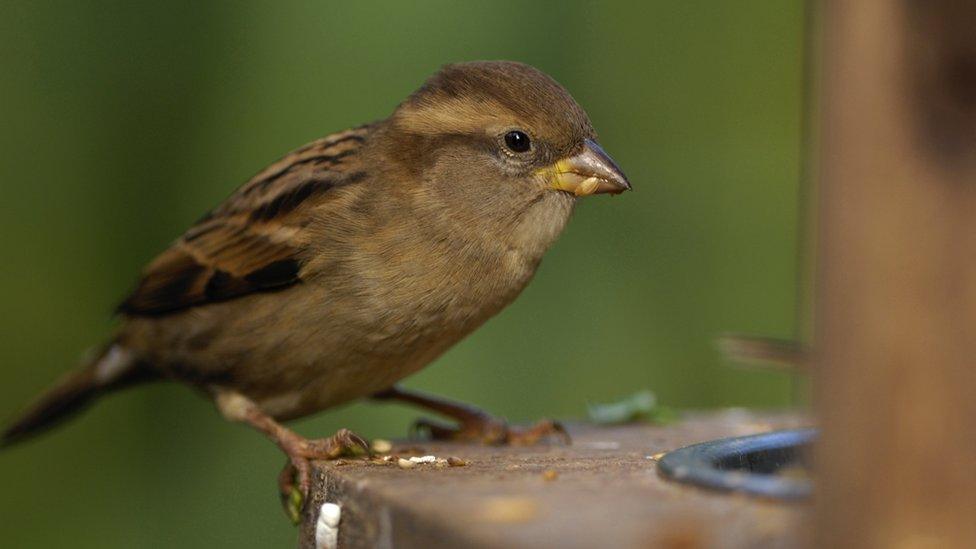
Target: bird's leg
<point>473,424</point>
<point>300,450</point>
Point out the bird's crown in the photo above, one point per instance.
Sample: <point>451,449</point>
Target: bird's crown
<point>470,98</point>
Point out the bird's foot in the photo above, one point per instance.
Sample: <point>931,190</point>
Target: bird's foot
<point>295,481</point>
<point>491,430</point>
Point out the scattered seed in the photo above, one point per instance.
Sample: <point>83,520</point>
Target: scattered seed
<point>327,526</point>
<point>406,463</point>
<point>456,462</point>
<point>423,459</point>
<point>381,446</point>
<point>550,475</point>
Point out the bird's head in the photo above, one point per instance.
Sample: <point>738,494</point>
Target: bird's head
<point>507,129</point>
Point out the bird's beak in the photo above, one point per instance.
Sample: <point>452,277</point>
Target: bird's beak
<point>591,171</point>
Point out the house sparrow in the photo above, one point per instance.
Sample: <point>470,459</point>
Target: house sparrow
<point>355,261</point>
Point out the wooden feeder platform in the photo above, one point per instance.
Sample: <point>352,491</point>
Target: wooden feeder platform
<point>602,491</point>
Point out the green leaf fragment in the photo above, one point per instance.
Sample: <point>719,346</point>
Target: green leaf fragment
<point>641,406</point>
<point>293,507</point>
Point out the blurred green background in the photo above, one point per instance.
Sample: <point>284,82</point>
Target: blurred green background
<point>122,122</point>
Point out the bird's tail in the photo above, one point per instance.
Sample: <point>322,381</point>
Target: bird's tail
<point>110,368</point>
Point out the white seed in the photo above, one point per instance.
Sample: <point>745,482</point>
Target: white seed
<point>381,446</point>
<point>327,526</point>
<point>330,513</point>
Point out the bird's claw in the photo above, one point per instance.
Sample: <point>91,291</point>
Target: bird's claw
<point>543,429</point>
<point>294,481</point>
<point>490,430</point>
<point>343,443</point>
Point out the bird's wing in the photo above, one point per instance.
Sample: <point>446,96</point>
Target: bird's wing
<point>253,241</point>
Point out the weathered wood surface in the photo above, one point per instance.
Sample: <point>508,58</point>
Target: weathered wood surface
<point>606,493</point>
<point>896,372</point>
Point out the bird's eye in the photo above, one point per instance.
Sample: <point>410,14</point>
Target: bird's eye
<point>517,141</point>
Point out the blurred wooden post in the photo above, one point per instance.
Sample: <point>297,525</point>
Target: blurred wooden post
<point>896,385</point>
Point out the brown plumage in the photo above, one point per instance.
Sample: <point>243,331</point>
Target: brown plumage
<point>358,259</point>
<point>253,241</point>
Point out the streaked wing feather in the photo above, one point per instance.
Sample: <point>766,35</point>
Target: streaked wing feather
<point>252,242</point>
